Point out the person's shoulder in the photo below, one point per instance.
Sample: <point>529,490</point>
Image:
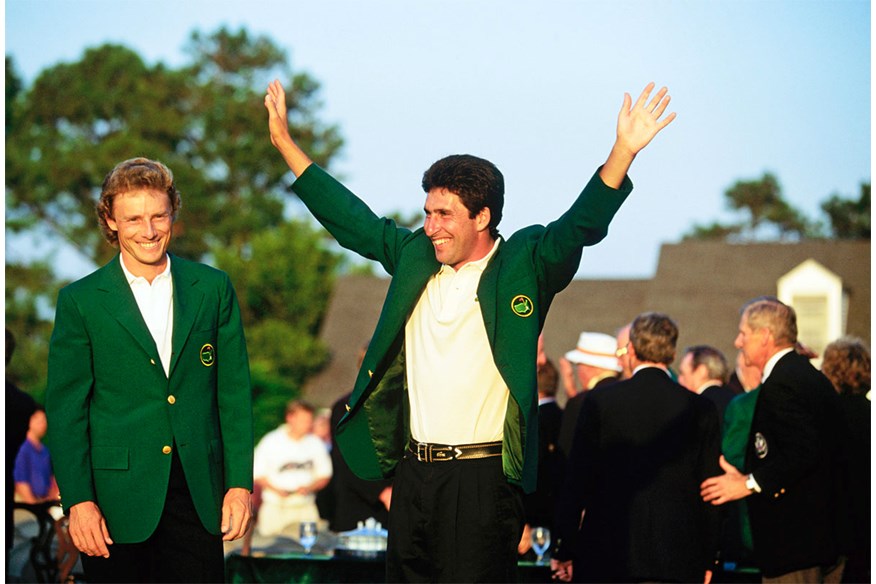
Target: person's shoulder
<point>524,234</point>
<point>93,279</point>
<point>196,268</point>
<point>273,435</point>
<point>199,274</point>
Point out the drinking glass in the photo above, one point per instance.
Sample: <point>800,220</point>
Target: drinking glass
<point>541,541</point>
<point>307,535</point>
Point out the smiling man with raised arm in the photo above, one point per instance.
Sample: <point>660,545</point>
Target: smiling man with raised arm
<point>445,401</point>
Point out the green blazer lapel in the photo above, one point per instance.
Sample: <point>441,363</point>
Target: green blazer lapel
<point>187,299</point>
<point>119,301</point>
<point>488,290</point>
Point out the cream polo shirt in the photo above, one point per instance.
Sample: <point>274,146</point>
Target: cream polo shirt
<point>155,302</point>
<point>457,395</point>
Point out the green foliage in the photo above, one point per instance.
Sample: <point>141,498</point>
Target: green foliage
<point>849,219</point>
<point>284,281</point>
<point>714,231</point>
<point>270,395</point>
<point>206,121</point>
<point>767,215</point>
<point>29,291</point>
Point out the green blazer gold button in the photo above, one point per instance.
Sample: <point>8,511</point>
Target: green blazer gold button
<point>152,361</point>
<point>167,450</point>
<point>171,400</point>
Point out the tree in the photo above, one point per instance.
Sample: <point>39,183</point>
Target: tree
<point>766,214</point>
<point>849,219</point>
<point>283,282</point>
<point>205,120</point>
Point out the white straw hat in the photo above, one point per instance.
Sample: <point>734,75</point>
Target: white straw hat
<point>597,350</point>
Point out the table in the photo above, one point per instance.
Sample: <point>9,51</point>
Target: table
<point>299,567</point>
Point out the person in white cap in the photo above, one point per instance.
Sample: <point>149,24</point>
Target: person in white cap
<point>593,363</point>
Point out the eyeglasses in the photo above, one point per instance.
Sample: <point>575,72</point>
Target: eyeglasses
<point>621,352</point>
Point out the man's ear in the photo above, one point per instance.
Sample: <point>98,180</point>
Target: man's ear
<point>111,223</point>
<point>482,219</point>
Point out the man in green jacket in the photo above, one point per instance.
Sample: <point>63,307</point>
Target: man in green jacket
<point>149,398</point>
<point>445,401</point>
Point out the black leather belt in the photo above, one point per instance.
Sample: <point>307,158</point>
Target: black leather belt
<point>426,452</point>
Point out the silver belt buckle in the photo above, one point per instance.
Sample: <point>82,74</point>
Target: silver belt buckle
<point>423,452</point>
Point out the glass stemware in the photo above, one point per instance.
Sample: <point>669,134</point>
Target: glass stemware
<point>541,541</point>
<point>307,535</point>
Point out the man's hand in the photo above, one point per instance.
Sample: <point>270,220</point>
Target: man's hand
<point>636,127</point>
<point>278,124</point>
<point>525,540</point>
<point>236,513</point>
<point>561,571</point>
<point>724,488</point>
<point>88,529</point>
<point>386,496</point>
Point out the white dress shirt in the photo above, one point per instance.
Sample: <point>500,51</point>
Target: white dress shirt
<point>155,301</point>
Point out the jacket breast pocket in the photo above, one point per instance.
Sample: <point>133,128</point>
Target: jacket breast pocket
<point>109,458</point>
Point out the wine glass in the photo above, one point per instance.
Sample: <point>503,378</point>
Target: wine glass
<point>307,535</point>
<point>541,541</point>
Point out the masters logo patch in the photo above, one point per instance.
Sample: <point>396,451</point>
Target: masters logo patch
<point>522,306</point>
<point>208,355</point>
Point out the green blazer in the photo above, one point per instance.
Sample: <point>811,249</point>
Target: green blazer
<point>515,292</point>
<point>114,414</point>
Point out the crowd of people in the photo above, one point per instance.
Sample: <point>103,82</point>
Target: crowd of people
<point>149,403</point>
<point>683,475</point>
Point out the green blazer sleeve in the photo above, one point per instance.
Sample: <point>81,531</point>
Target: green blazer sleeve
<point>70,384</point>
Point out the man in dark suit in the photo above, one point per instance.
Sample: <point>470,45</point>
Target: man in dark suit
<point>355,499</point>
<point>149,398</point>
<point>703,370</point>
<point>642,448</point>
<point>539,505</point>
<point>794,467</point>
<point>445,401</point>
<point>592,363</point>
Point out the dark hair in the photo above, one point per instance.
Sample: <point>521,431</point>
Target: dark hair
<point>653,336</point>
<point>547,378</point>
<point>130,175</point>
<point>712,359</point>
<point>477,182</point>
<point>296,405</point>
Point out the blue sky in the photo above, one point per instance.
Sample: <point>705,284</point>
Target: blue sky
<point>777,86</point>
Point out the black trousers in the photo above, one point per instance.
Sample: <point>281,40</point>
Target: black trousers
<point>179,550</point>
<point>453,521</point>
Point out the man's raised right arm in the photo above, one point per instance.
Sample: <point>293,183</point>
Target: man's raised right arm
<point>278,124</point>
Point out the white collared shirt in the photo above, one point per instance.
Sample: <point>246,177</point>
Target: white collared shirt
<point>456,393</point>
<point>155,302</point>
<point>640,367</point>
<point>770,365</point>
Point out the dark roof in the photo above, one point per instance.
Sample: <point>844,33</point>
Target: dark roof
<point>701,285</point>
